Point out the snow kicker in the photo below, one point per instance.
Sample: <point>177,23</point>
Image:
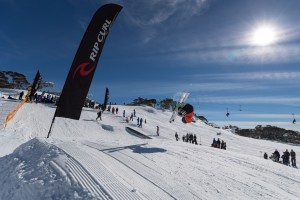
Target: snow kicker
<point>136,133</point>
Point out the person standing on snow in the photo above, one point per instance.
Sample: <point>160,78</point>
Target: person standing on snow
<point>266,156</point>
<point>157,130</point>
<point>131,117</point>
<point>293,158</point>
<point>99,115</point>
<point>286,157</point>
<point>176,136</point>
<point>276,155</point>
<point>21,95</point>
<point>141,122</point>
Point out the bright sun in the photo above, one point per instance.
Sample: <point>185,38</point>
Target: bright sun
<point>264,36</point>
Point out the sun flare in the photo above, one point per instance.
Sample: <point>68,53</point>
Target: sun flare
<point>264,36</point>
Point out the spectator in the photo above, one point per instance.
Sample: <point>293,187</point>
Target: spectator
<point>286,158</point>
<point>21,95</point>
<point>195,139</point>
<point>214,143</point>
<point>223,145</point>
<point>266,156</point>
<point>218,143</point>
<point>36,98</point>
<point>293,158</point>
<point>191,137</point>
<point>141,122</point>
<point>176,136</point>
<point>157,130</point>
<point>99,115</point>
<point>275,156</point>
<point>131,117</point>
<point>113,110</point>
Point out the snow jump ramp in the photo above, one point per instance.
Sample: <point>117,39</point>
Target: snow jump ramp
<point>136,133</point>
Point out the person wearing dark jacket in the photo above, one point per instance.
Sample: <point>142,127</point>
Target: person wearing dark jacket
<point>99,115</point>
<point>265,156</point>
<point>218,143</point>
<point>195,139</point>
<point>286,157</point>
<point>293,158</point>
<point>141,122</point>
<point>223,145</point>
<point>176,136</point>
<point>214,143</point>
<point>276,155</point>
<point>21,95</point>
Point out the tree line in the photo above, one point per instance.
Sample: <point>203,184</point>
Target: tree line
<point>16,80</point>
<point>271,133</point>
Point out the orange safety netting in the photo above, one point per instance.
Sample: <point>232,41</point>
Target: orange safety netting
<point>12,113</point>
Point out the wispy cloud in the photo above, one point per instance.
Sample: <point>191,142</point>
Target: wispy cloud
<point>156,15</point>
<point>9,47</point>
<point>251,76</point>
<point>242,55</point>
<point>167,87</point>
<point>147,14</point>
<point>279,100</point>
<point>265,116</point>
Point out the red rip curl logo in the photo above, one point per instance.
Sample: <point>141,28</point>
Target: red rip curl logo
<point>82,69</point>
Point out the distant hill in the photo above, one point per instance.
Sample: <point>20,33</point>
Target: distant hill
<point>271,133</point>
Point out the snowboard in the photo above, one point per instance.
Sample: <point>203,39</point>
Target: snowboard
<point>180,102</point>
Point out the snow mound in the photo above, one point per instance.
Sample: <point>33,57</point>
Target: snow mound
<point>149,110</point>
<point>107,127</point>
<point>31,172</point>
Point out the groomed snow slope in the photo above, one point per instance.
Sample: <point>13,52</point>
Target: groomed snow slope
<point>90,159</point>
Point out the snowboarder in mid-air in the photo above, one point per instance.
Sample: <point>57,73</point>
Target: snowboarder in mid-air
<point>187,113</point>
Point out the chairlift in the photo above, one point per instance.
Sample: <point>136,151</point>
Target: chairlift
<point>227,114</point>
<point>294,120</point>
<point>240,109</point>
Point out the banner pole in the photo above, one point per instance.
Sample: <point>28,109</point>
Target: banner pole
<point>51,127</point>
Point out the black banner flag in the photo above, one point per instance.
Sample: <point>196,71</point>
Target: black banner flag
<point>35,85</point>
<point>105,99</point>
<point>85,62</point>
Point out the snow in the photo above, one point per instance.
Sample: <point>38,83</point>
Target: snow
<point>89,159</point>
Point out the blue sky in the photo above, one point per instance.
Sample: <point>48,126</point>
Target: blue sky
<point>156,49</point>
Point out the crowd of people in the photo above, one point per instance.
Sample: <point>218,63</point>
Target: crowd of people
<point>189,137</point>
<point>114,110</point>
<point>286,155</point>
<point>219,144</point>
